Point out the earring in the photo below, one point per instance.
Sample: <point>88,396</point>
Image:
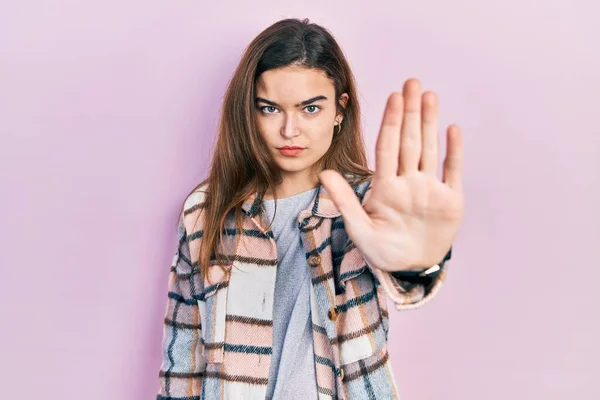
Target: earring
<point>340,128</point>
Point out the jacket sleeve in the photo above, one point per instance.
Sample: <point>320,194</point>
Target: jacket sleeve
<point>183,364</point>
<point>409,292</point>
<point>428,284</point>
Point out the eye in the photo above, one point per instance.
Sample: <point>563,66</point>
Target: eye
<point>268,109</point>
<point>312,109</point>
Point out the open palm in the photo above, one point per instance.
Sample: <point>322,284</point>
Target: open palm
<point>410,217</point>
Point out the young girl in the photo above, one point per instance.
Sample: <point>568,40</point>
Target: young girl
<point>290,249</point>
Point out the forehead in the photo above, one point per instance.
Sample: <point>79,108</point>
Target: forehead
<point>294,84</point>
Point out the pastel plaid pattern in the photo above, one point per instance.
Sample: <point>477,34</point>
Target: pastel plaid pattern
<point>217,341</point>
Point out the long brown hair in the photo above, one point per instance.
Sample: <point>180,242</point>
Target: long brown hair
<point>241,163</point>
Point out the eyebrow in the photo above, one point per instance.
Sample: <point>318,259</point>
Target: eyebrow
<point>304,103</point>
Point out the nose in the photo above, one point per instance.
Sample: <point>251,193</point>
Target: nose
<point>290,127</point>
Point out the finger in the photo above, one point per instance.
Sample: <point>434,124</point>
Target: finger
<point>410,136</point>
<point>344,198</point>
<point>430,142</point>
<point>453,164</point>
<point>388,140</point>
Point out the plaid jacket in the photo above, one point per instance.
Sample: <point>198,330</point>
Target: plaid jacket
<point>217,333</point>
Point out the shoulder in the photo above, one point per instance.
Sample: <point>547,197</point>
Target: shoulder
<point>196,198</point>
<point>193,204</point>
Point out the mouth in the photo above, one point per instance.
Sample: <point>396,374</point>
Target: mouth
<point>291,151</point>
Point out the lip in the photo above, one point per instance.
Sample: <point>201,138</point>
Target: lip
<point>291,151</point>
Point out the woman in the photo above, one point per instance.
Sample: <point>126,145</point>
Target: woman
<point>289,302</point>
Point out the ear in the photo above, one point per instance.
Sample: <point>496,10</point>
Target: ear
<point>343,100</point>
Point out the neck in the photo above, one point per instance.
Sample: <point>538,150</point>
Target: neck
<point>293,184</point>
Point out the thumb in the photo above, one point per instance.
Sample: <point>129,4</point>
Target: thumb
<point>344,198</point>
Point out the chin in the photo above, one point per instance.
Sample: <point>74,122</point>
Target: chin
<point>291,169</point>
<point>293,165</point>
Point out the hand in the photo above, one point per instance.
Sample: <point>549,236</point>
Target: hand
<point>409,218</point>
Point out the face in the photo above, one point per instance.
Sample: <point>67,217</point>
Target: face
<point>296,108</point>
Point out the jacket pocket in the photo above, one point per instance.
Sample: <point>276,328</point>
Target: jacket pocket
<point>361,324</point>
<point>363,378</point>
<point>212,302</point>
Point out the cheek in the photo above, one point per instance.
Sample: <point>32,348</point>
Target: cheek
<point>267,130</point>
<point>321,132</point>
<point>320,140</point>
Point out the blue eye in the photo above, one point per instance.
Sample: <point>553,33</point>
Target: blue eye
<point>271,109</point>
<point>315,108</point>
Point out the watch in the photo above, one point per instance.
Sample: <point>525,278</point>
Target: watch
<point>423,275</point>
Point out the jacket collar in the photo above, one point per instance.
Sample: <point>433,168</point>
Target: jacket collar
<point>321,205</point>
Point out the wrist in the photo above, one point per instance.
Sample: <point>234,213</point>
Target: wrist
<point>423,272</point>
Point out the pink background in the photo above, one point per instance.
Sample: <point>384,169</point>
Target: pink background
<point>107,116</point>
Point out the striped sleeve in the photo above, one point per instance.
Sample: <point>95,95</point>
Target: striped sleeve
<point>409,295</point>
<point>411,292</point>
<point>182,360</point>
<point>409,279</point>
<point>420,290</point>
